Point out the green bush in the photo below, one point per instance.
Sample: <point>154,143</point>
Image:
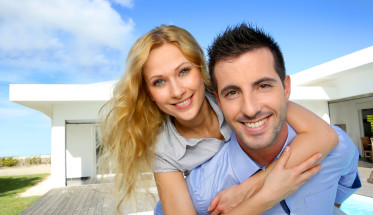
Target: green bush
<point>9,161</point>
<point>33,160</point>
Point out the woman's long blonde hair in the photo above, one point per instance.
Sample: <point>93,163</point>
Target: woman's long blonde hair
<point>132,119</point>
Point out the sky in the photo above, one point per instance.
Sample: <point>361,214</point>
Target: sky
<point>87,41</point>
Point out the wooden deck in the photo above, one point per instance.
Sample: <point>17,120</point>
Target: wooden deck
<point>78,200</point>
<point>93,199</point>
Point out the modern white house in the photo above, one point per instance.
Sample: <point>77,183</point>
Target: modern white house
<point>73,109</point>
<point>339,91</point>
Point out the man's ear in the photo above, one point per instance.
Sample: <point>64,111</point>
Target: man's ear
<point>217,98</point>
<point>287,86</point>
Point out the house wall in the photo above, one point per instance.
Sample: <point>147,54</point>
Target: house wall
<point>349,84</point>
<point>319,107</point>
<point>354,84</point>
<point>61,114</point>
<point>348,112</point>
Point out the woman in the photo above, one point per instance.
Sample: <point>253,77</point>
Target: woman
<point>162,116</point>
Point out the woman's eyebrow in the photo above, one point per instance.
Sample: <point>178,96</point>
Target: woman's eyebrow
<point>178,67</point>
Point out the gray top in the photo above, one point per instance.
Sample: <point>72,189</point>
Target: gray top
<point>176,153</point>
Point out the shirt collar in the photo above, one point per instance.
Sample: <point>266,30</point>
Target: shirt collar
<point>225,130</point>
<point>243,166</point>
<point>213,103</point>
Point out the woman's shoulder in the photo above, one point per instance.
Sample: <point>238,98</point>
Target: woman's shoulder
<point>169,142</point>
<point>163,139</point>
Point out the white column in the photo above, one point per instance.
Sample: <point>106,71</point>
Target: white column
<point>58,150</point>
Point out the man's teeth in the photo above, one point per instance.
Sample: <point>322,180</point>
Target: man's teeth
<point>256,124</point>
<point>183,103</point>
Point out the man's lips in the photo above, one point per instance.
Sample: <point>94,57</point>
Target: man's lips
<point>256,124</point>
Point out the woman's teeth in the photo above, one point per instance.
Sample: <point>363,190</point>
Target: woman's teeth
<point>183,103</point>
<point>256,124</point>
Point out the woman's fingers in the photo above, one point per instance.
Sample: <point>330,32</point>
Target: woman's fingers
<point>214,203</point>
<point>284,157</point>
<point>307,164</point>
<point>305,176</point>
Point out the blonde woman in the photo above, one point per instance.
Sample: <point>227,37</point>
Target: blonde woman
<point>163,117</point>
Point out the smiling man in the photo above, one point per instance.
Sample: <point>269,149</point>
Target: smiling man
<point>248,73</point>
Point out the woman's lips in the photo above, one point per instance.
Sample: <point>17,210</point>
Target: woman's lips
<point>184,104</point>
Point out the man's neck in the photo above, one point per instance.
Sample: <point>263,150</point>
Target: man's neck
<point>265,156</point>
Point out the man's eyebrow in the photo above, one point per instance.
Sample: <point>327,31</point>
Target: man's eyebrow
<point>229,87</point>
<point>263,80</point>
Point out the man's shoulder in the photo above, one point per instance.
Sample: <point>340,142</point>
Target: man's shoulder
<point>346,145</point>
<point>345,152</point>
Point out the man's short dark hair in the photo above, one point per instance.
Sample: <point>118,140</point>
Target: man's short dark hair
<point>238,40</point>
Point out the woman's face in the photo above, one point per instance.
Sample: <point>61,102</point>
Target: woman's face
<point>173,83</point>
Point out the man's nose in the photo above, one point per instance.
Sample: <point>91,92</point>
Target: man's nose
<point>177,90</point>
<point>250,106</point>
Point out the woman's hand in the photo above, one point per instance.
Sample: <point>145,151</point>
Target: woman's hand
<point>231,197</point>
<point>282,182</point>
<point>227,199</point>
<point>279,183</point>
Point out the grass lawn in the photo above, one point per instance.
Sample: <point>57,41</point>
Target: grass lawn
<point>10,186</point>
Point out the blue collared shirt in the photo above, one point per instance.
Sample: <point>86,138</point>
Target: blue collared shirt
<point>334,183</point>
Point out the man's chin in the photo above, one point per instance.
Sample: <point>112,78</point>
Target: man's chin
<point>256,147</point>
<point>254,144</point>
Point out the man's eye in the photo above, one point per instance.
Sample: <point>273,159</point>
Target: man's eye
<point>231,93</point>
<point>263,86</point>
<point>158,82</point>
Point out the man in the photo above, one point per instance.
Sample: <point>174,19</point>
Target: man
<point>248,73</point>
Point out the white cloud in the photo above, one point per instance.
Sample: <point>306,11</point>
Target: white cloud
<point>47,36</point>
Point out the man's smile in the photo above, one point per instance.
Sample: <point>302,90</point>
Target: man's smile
<point>256,124</point>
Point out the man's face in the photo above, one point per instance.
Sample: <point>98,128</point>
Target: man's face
<point>252,97</point>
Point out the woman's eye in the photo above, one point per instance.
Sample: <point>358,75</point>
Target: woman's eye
<point>158,82</point>
<point>184,71</point>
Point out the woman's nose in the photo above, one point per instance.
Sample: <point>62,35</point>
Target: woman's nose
<point>177,90</point>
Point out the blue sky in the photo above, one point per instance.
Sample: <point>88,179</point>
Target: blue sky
<point>83,41</point>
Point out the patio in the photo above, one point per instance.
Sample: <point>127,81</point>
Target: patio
<point>94,199</point>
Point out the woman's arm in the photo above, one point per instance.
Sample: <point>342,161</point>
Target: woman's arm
<point>280,183</point>
<point>173,193</point>
<point>314,136</point>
